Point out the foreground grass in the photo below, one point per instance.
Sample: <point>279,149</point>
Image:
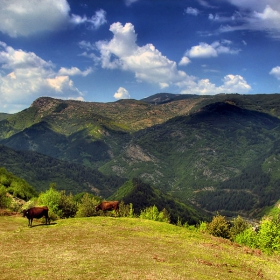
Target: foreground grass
<point>123,248</point>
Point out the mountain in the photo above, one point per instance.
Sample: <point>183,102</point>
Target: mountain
<point>218,152</point>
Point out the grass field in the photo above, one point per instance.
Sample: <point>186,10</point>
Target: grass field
<point>123,248</point>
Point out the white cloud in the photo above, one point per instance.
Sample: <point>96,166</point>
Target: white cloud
<point>150,65</point>
<point>93,23</point>
<point>122,93</point>
<point>275,72</point>
<point>192,11</point>
<point>184,61</point>
<point>73,71</point>
<point>258,15</point>
<point>205,50</point>
<point>25,76</point>
<point>27,17</point>
<point>231,84</point>
<point>129,2</point>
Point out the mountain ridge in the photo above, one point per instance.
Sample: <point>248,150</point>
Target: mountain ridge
<point>187,146</point>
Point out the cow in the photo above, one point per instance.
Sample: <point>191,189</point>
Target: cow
<point>108,205</point>
<point>37,213</point>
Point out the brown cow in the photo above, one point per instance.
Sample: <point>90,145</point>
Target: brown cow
<point>108,205</point>
<point>37,213</point>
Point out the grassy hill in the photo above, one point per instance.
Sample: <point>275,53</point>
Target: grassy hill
<point>124,248</point>
<point>219,152</point>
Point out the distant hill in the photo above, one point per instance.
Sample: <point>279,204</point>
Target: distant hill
<point>218,152</point>
<point>40,171</point>
<point>4,116</point>
<point>142,195</point>
<point>161,98</point>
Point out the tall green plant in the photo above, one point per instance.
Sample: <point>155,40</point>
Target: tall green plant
<point>51,198</point>
<point>152,213</point>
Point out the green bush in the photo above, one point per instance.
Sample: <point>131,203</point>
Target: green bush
<point>248,237</point>
<point>238,226</point>
<point>152,213</point>
<point>5,201</point>
<point>86,208</point>
<point>68,207</point>
<point>219,227</point>
<point>126,210</point>
<point>269,236</point>
<point>202,227</point>
<point>266,239</point>
<point>51,198</point>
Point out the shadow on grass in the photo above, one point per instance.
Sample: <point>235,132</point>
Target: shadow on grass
<point>40,225</point>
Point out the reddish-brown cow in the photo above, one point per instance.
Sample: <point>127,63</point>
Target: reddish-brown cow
<point>37,213</point>
<point>108,205</point>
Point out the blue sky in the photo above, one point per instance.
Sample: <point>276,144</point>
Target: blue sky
<point>105,50</point>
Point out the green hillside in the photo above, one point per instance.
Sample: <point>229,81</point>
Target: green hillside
<point>40,171</point>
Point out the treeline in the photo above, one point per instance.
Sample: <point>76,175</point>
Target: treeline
<point>251,190</point>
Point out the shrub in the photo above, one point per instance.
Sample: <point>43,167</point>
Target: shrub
<point>51,198</point>
<point>67,205</point>
<point>219,227</point>
<point>202,227</point>
<point>238,226</point>
<point>269,236</point>
<point>248,237</point>
<point>126,210</point>
<point>86,208</point>
<point>152,213</point>
<point>5,201</point>
<point>266,239</point>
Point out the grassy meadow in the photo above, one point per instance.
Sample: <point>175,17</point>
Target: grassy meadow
<point>124,248</point>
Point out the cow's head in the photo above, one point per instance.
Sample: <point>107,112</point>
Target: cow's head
<point>97,208</point>
<point>24,212</point>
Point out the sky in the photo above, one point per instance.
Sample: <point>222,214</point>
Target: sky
<point>105,50</point>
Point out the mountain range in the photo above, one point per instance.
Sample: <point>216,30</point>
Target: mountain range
<point>220,153</point>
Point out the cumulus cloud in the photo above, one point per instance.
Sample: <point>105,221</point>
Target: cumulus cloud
<point>26,17</point>
<point>205,50</point>
<point>230,84</point>
<point>150,65</point>
<point>275,72</point>
<point>192,11</point>
<point>122,93</point>
<point>184,61</point>
<point>25,76</point>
